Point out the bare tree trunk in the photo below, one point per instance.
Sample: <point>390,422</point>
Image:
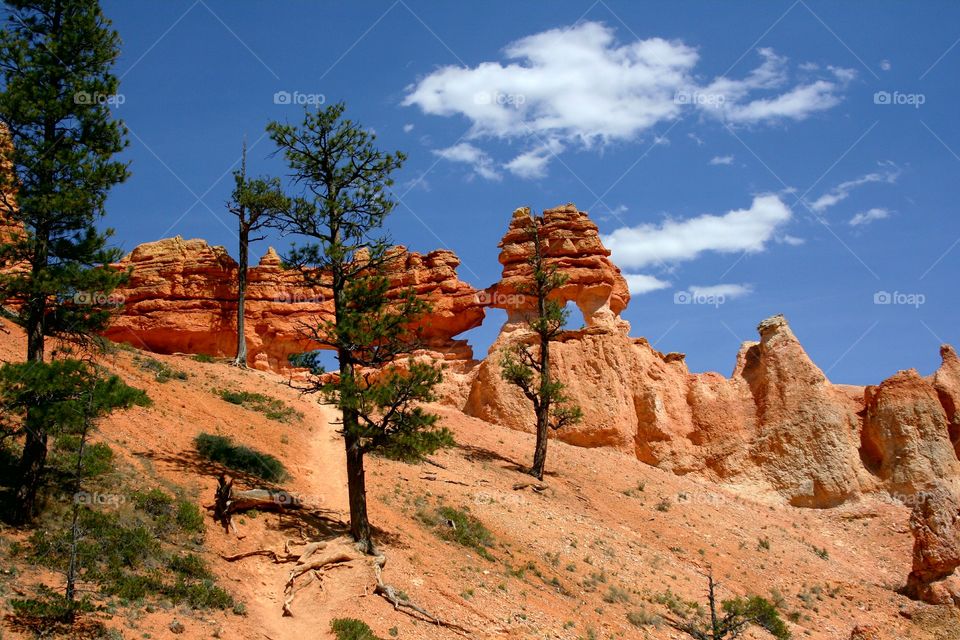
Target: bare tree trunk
<point>75,523</point>
<point>241,359</point>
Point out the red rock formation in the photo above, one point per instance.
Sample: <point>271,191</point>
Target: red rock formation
<point>807,434</point>
<point>181,298</point>
<point>905,437</point>
<point>572,244</point>
<point>935,523</point>
<point>776,425</point>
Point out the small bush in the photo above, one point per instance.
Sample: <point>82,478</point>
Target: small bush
<point>189,517</point>
<point>823,554</point>
<point>190,565</point>
<point>154,502</point>
<point>615,594</point>
<point>161,372</point>
<point>239,458</point>
<point>352,629</point>
<point>270,407</point>
<point>202,357</point>
<point>459,526</point>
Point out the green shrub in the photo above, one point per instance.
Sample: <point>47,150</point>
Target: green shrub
<point>161,372</point>
<point>272,408</point>
<point>97,456</point>
<point>239,458</point>
<point>641,618</point>
<point>352,629</point>
<point>202,357</point>
<point>154,502</point>
<point>459,526</point>
<point>189,517</point>
<point>189,565</point>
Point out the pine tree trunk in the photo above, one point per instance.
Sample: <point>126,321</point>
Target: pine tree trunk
<point>543,411</point>
<point>241,359</point>
<point>34,456</point>
<point>356,486</point>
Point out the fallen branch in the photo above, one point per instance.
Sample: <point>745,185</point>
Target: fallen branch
<point>228,502</point>
<point>536,486</point>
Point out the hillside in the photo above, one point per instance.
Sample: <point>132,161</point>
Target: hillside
<point>609,536</point>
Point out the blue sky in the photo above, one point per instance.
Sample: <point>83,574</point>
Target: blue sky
<point>741,159</point>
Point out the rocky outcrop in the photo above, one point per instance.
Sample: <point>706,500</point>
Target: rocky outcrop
<point>181,297</point>
<point>806,440</point>
<point>905,437</point>
<point>935,523</point>
<point>571,243</point>
<point>946,382</point>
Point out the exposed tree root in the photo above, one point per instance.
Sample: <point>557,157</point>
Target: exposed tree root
<point>228,502</point>
<point>317,557</point>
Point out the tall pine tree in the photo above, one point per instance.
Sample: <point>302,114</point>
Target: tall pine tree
<point>345,181</point>
<point>528,365</point>
<point>55,62</point>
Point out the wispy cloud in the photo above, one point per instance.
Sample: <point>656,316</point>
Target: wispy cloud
<point>640,283</point>
<point>868,216</point>
<point>478,159</point>
<point>888,173</point>
<point>721,160</point>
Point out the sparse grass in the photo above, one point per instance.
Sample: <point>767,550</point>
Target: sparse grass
<point>272,408</point>
<point>615,594</point>
<point>763,544</point>
<point>634,492</point>
<point>352,629</point>
<point>641,618</point>
<point>240,458</point>
<point>664,505</point>
<point>821,553</point>
<point>161,372</point>
<point>202,357</point>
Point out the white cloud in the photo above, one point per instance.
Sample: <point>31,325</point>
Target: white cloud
<point>533,163</point>
<point>885,65</point>
<point>696,139</point>
<point>868,216</point>
<point>888,174</point>
<point>716,160</point>
<point>793,241</point>
<point>481,163</point>
<point>579,86</point>
<point>678,240</point>
<point>407,128</point>
<point>639,283</point>
<point>729,291</point>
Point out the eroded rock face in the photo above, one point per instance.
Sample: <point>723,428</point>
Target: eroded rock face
<point>807,436</point>
<point>946,382</point>
<point>935,523</point>
<point>182,298</point>
<point>572,244</point>
<point>905,438</point>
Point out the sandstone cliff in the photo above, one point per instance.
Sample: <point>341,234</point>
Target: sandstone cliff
<point>182,298</point>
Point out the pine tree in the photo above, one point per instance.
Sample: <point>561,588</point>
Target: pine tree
<point>346,179</point>
<point>731,618</point>
<point>527,365</point>
<point>55,61</point>
<point>68,397</point>
<point>257,204</point>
